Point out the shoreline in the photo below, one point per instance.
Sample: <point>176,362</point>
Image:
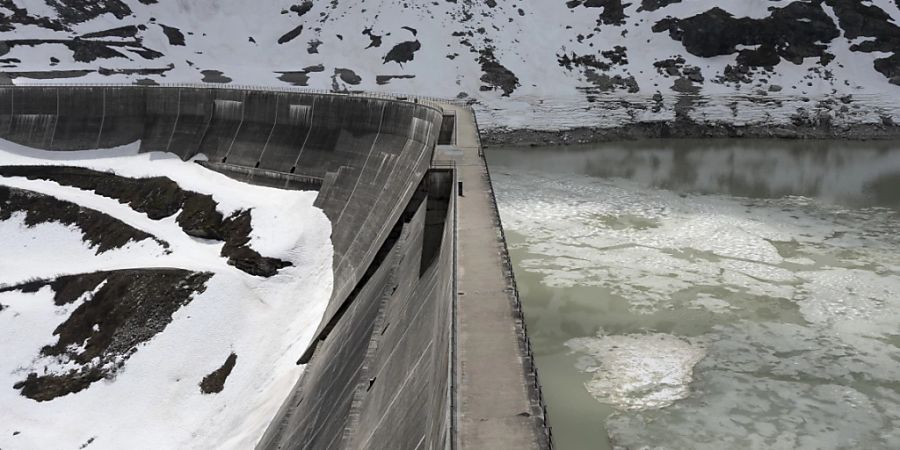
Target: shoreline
<point>680,129</point>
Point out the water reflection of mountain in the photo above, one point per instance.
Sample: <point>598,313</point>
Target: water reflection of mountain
<point>852,173</point>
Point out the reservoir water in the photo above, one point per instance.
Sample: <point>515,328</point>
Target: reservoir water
<point>710,294</point>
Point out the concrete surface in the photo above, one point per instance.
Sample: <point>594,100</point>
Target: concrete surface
<point>383,372</point>
<point>498,403</point>
<point>378,377</point>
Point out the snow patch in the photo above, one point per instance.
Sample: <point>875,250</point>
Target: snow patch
<point>154,400</point>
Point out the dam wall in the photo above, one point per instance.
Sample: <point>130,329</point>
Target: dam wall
<point>391,388</point>
<point>379,369</point>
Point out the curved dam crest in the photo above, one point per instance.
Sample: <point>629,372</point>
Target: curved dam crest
<point>380,370</point>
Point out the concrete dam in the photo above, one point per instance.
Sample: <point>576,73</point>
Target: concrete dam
<point>423,342</point>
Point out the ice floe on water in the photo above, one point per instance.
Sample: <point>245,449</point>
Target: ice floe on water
<point>775,385</point>
<point>637,372</point>
<point>708,321</point>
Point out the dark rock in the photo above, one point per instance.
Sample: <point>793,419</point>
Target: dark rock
<point>670,67</point>
<point>199,218</point>
<point>613,10</point>
<point>78,11</point>
<point>385,79</point>
<point>764,56</point>
<point>20,16</point>
<point>49,74</point>
<point>582,60</point>
<point>128,31</point>
<point>101,231</point>
<point>146,53</point>
<point>296,78</point>
<point>348,76</point>
<point>693,74</point>
<point>403,52</point>
<point>88,51</point>
<point>653,5</point>
<point>127,310</point>
<point>290,35</point>
<point>313,46</point>
<point>607,83</point>
<point>794,32</point>
<point>302,8</point>
<point>495,75</point>
<point>175,36</point>
<point>375,40</point>
<point>617,56</point>
<point>215,381</point>
<point>685,86</point>
<point>158,198</point>
<point>158,71</point>
<point>861,20</point>
<point>214,76</point>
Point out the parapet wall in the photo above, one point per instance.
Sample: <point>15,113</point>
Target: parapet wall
<point>379,367</point>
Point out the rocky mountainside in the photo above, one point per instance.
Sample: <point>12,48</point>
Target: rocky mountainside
<point>538,64</point>
<point>148,302</point>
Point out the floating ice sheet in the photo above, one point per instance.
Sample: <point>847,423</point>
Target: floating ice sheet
<point>636,372</point>
<point>725,322</point>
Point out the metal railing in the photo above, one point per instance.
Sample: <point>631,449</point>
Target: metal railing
<point>518,312</point>
<point>453,385</point>
<point>433,102</point>
<point>452,369</point>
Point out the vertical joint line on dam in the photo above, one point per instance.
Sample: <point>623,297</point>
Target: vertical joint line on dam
<point>55,119</point>
<point>175,124</point>
<point>312,113</point>
<point>102,119</point>
<point>12,111</point>
<point>365,164</point>
<point>238,129</point>
<point>271,132</point>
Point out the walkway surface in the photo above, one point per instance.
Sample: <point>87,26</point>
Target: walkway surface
<point>493,406</point>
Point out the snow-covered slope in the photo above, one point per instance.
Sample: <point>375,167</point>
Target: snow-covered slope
<point>540,64</point>
<point>123,329</point>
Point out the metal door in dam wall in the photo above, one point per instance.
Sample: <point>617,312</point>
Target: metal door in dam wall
<point>378,374</point>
